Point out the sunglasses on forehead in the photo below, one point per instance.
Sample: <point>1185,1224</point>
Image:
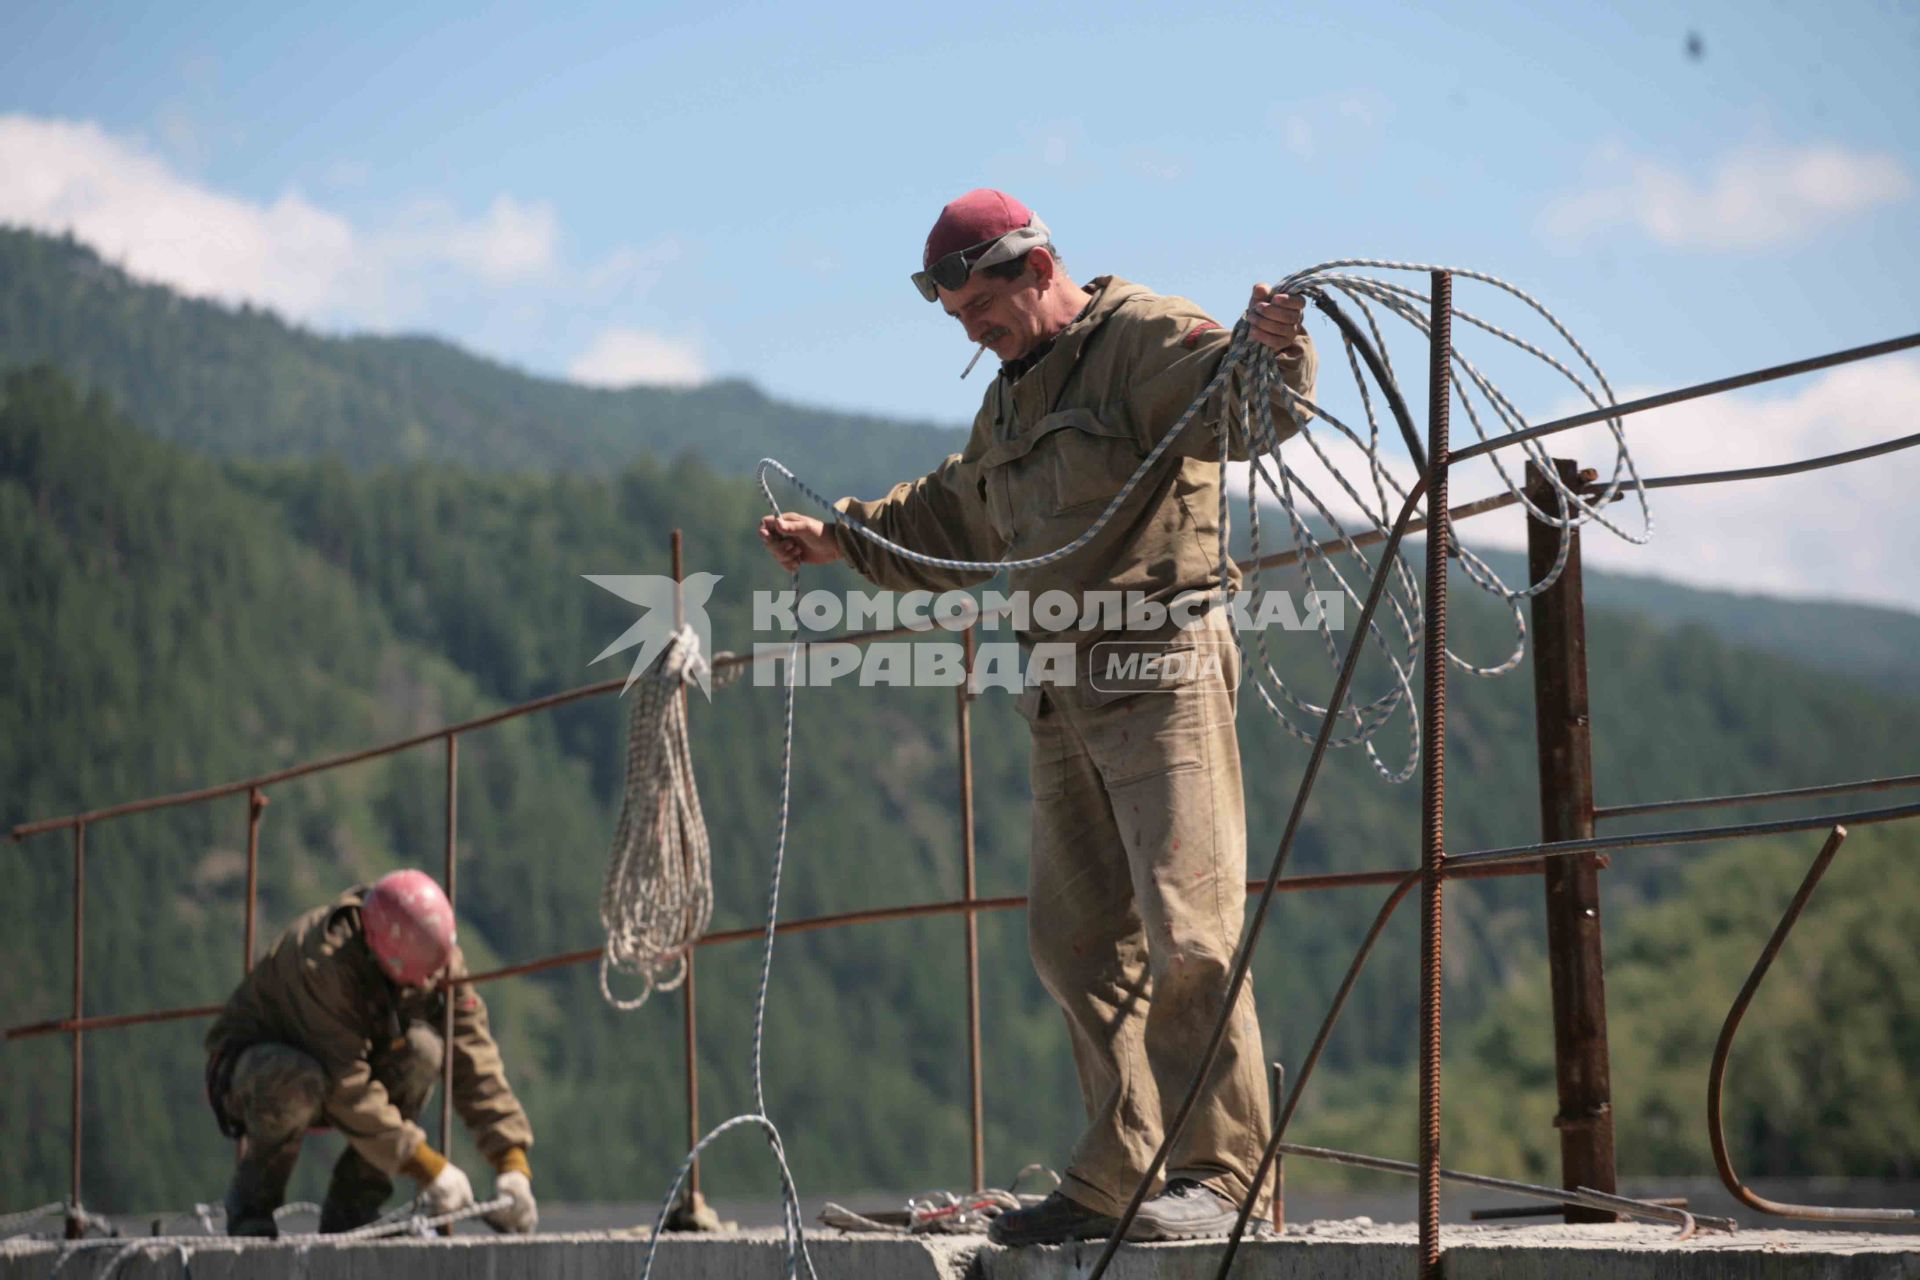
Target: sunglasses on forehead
<point>955,269</point>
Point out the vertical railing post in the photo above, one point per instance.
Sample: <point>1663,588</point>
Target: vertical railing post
<point>689,1007</point>
<point>76,1226</point>
<point>964,714</point>
<point>1433,788</point>
<point>1279,1160</point>
<point>1575,953</point>
<point>450,880</point>
<point>256,803</point>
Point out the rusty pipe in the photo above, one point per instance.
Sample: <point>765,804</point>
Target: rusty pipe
<point>1759,797</point>
<point>76,1224</point>
<point>1723,1048</point>
<point>256,805</point>
<point>963,715</point>
<point>453,899</point>
<point>689,1002</point>
<point>1736,382</point>
<point>880,915</point>
<point>1679,1217</point>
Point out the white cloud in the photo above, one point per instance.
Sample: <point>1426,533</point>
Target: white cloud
<point>1838,533</point>
<point>1841,532</point>
<point>1749,199</point>
<point>68,176</point>
<point>511,241</point>
<point>626,357</point>
<point>290,254</point>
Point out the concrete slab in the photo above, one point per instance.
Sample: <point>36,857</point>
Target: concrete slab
<point>601,1255</point>
<point>1338,1250</point>
<point>1361,1250</point>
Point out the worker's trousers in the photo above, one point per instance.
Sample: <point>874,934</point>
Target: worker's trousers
<point>1137,894</point>
<point>278,1093</point>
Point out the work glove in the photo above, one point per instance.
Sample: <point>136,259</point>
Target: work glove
<point>521,1216</point>
<point>449,1190</point>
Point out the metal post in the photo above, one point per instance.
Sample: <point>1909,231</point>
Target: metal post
<point>76,1226</point>
<point>1574,946</point>
<point>1433,788</point>
<point>690,1023</point>
<point>256,803</point>
<point>1279,1161</point>
<point>965,716</point>
<point>452,887</point>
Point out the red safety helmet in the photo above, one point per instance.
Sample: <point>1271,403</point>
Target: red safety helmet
<point>409,925</point>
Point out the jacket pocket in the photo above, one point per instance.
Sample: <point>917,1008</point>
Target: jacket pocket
<point>1088,459</point>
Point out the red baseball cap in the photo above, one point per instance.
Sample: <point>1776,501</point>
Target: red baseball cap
<point>979,218</point>
<point>980,215</point>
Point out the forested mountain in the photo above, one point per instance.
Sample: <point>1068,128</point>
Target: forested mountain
<point>172,620</point>
<point>243,383</point>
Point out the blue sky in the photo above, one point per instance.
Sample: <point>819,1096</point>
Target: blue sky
<point>673,192</point>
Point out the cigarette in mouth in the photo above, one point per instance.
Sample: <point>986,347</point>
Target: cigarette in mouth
<point>976,360</point>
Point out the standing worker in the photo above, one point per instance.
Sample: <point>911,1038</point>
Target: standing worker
<point>340,1024</point>
<point>1138,865</point>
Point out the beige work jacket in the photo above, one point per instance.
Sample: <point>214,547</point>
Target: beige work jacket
<point>1050,450</point>
<point>320,990</point>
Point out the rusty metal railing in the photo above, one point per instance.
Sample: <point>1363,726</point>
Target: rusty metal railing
<point>1437,865</point>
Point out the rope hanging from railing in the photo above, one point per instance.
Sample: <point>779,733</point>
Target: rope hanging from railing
<point>658,896</point>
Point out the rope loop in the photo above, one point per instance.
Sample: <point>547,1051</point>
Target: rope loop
<point>658,895</point>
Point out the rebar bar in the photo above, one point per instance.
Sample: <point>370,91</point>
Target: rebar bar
<point>1433,775</point>
<point>1689,835</point>
<point>1577,1195</point>
<point>1723,1049</point>
<point>1758,797</point>
<point>1772,373</point>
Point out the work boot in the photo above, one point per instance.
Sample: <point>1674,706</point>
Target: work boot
<point>1054,1220</point>
<point>355,1194</point>
<point>258,1188</point>
<point>1186,1210</point>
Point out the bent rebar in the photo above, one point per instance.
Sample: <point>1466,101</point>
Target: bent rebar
<point>1681,1218</point>
<point>1723,1048</point>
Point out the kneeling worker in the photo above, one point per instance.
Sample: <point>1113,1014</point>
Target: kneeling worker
<point>340,1024</point>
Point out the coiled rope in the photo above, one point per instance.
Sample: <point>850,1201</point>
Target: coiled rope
<point>658,896</point>
<point>1306,511</point>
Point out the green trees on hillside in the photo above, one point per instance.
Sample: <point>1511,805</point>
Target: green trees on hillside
<point>169,621</point>
<point>243,383</point>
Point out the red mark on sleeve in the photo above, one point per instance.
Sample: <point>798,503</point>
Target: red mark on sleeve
<point>1193,335</point>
